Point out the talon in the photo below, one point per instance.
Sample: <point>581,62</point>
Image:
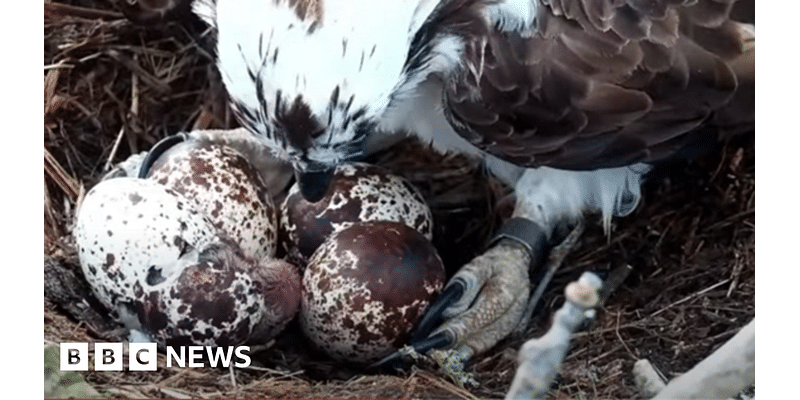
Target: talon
<point>489,298</point>
<point>392,362</point>
<point>451,295</point>
<point>399,359</point>
<point>438,341</point>
<point>158,149</point>
<point>496,291</point>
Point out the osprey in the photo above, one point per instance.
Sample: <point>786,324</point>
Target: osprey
<point>568,101</point>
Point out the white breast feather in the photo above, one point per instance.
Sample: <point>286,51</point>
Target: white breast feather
<point>358,48</point>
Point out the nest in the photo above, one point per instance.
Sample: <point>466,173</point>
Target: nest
<point>684,261</point>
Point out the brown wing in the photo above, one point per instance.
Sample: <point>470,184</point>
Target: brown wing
<point>604,83</point>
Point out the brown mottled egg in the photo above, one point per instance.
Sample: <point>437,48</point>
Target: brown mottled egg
<point>161,265</point>
<point>220,298</point>
<point>358,192</point>
<point>226,187</point>
<point>365,289</point>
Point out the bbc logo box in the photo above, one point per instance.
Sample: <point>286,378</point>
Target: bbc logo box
<point>109,356</point>
<point>144,356</point>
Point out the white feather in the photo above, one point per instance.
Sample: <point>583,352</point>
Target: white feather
<point>548,195</point>
<point>375,30</point>
<point>514,15</point>
<point>205,9</point>
<point>421,113</point>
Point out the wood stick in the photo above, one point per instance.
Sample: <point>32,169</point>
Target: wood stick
<point>724,374</point>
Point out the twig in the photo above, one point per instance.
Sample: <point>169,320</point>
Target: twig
<point>56,172</point>
<point>554,261</point>
<point>58,10</point>
<point>647,378</point>
<point>134,105</point>
<point>58,65</point>
<point>174,393</point>
<point>114,149</point>
<point>725,373</point>
<point>613,281</point>
<point>540,359</point>
<point>233,379</point>
<point>691,296</point>
<point>275,371</point>
<point>616,331</point>
<point>446,385</point>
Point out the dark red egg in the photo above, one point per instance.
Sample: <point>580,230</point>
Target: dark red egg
<point>366,287</point>
<point>358,192</point>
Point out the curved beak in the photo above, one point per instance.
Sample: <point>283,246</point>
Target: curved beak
<point>314,184</point>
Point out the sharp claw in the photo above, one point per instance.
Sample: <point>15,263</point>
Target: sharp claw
<point>438,341</point>
<point>497,287</point>
<point>451,295</point>
<point>159,149</point>
<point>399,359</point>
<point>394,361</point>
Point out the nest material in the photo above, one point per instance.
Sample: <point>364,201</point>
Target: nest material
<point>112,89</point>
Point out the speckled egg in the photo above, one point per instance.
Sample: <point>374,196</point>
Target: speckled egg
<point>226,187</point>
<point>152,257</point>
<point>358,192</point>
<point>366,287</point>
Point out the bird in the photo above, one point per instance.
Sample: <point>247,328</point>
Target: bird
<point>570,102</point>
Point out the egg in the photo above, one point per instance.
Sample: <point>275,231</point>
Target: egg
<point>366,287</point>
<point>358,192</point>
<point>223,184</point>
<point>151,256</point>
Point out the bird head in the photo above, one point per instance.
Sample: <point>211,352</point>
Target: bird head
<point>313,78</point>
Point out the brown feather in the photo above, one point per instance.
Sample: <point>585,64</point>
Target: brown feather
<point>605,83</point>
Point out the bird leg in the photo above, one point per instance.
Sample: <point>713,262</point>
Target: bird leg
<point>490,296</point>
<point>496,291</point>
<point>481,305</point>
<point>496,299</point>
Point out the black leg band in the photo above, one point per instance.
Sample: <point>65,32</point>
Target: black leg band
<point>528,234</point>
<point>158,149</point>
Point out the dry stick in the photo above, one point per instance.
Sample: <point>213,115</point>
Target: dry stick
<point>275,371</point>
<point>134,105</point>
<point>691,296</point>
<point>56,172</point>
<point>114,149</point>
<point>647,378</point>
<point>540,359</point>
<point>723,374</point>
<point>233,380</point>
<point>554,261</point>
<point>174,393</point>
<point>446,385</point>
<point>58,10</point>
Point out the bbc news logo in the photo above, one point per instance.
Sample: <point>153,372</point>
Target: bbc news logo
<point>143,356</point>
